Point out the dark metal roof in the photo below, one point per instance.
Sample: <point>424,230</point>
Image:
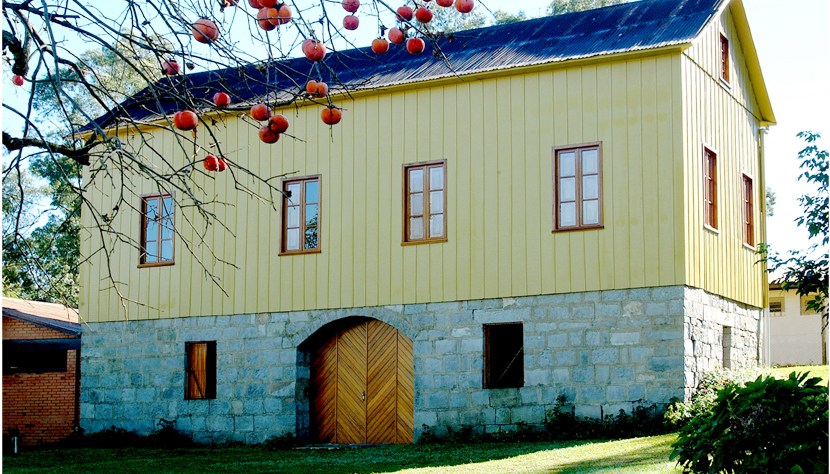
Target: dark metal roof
<point>634,26</point>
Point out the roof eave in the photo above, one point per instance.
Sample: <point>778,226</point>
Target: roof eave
<point>753,64</point>
<point>154,123</point>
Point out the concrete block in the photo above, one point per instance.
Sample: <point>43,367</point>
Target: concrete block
<point>608,356</point>
<point>583,374</point>
<point>625,338</point>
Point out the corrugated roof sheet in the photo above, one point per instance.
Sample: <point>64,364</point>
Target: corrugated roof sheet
<point>635,26</point>
<point>49,315</point>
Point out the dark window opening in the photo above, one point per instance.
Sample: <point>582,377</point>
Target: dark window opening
<point>503,355</point>
<point>200,370</point>
<point>17,361</point>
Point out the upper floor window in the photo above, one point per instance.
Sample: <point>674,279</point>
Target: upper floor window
<point>710,188</point>
<point>747,211</point>
<point>301,215</point>
<point>578,187</point>
<point>724,58</point>
<point>425,204</point>
<point>200,370</point>
<point>156,230</point>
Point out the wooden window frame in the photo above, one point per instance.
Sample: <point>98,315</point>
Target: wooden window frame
<point>578,175</point>
<point>302,205</point>
<point>724,58</point>
<point>406,240</point>
<point>748,210</point>
<point>710,188</point>
<point>142,256</point>
<point>197,391</point>
<point>489,381</point>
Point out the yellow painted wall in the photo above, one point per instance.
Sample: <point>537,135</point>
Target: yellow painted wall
<point>724,117</point>
<point>497,135</point>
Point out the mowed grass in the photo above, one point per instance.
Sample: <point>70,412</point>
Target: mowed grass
<point>637,455</point>
<point>821,371</point>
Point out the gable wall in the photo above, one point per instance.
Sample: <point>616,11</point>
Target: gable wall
<point>497,136</point>
<point>724,118</point>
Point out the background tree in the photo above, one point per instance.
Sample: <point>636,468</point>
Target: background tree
<point>806,271</point>
<point>558,7</point>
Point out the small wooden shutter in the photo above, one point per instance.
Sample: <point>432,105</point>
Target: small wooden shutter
<point>200,370</point>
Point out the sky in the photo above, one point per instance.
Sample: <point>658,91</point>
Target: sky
<point>792,38</point>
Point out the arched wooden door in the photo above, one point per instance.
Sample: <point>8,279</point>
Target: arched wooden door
<point>362,385</point>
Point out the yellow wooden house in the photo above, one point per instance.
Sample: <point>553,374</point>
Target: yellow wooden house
<point>572,209</point>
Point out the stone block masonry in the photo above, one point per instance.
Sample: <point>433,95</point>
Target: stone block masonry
<point>602,350</point>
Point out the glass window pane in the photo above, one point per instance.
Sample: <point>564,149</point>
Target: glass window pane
<point>590,212</point>
<point>152,208</point>
<point>167,250</point>
<point>590,161</point>
<point>567,189</point>
<point>152,231</point>
<point>416,204</point>
<point>294,216</point>
<point>436,202</point>
<point>416,180</point>
<point>436,178</point>
<point>567,164</point>
<point>312,191</point>
<point>167,206</point>
<point>311,215</point>
<point>416,228</point>
<point>294,189</point>
<point>436,225</point>
<point>567,214</point>
<point>293,242</point>
<point>167,229</point>
<point>590,187</point>
<point>152,249</point>
<point>310,238</point>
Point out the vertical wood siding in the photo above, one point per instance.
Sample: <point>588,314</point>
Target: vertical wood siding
<point>724,118</point>
<point>497,136</point>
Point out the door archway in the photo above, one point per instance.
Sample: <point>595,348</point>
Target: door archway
<point>361,384</point>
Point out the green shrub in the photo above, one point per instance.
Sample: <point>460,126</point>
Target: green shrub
<point>702,401</point>
<point>561,423</point>
<point>768,425</point>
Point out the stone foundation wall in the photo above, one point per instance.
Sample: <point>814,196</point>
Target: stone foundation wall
<point>604,351</point>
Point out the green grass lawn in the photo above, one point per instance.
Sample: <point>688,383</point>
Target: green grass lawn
<point>815,371</point>
<point>625,456</point>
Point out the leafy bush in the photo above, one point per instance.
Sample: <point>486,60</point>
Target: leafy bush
<point>768,425</point>
<point>165,437</point>
<point>702,402</point>
<point>562,423</point>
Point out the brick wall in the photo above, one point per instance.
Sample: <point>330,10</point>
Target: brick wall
<point>42,407</point>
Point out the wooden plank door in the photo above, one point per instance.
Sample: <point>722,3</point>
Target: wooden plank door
<point>323,402</point>
<point>362,387</point>
<point>351,385</point>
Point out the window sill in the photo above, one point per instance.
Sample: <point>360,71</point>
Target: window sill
<point>711,229</point>
<point>419,242</point>
<point>156,264</point>
<point>750,247</point>
<point>300,252</point>
<point>571,229</point>
<point>725,84</point>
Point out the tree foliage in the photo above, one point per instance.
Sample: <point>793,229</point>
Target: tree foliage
<point>806,271</point>
<point>558,7</point>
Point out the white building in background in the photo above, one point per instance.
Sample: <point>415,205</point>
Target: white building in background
<point>797,336</point>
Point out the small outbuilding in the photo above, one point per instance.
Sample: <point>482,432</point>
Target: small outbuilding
<point>41,367</point>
